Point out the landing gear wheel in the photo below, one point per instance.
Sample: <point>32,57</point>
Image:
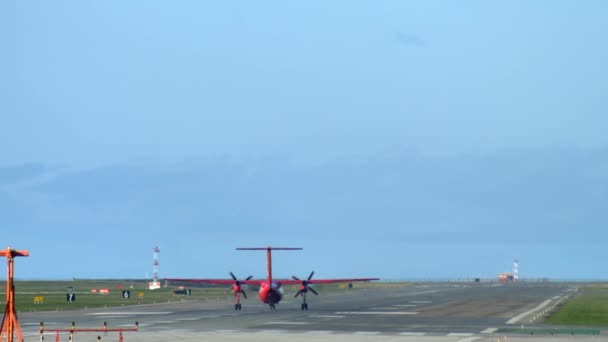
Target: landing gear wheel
<point>240,307</point>
<point>306,307</point>
<point>236,306</point>
<point>272,307</point>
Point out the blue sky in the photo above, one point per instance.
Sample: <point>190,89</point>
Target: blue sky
<point>143,86</point>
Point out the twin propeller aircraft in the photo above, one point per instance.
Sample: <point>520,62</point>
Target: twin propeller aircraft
<point>271,291</point>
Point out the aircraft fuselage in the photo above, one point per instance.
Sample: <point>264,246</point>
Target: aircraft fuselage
<point>271,292</point>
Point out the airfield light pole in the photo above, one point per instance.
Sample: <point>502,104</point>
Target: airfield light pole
<point>516,269</point>
<point>10,324</point>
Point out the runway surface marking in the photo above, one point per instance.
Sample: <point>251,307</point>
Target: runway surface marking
<point>529,312</point>
<point>421,301</point>
<point>366,333</point>
<point>469,339</point>
<point>123,313</point>
<point>116,316</point>
<point>376,312</point>
<point>424,292</point>
<point>410,333</point>
<point>460,334</point>
<point>271,331</point>
<point>489,331</point>
<point>163,322</point>
<point>287,323</point>
<point>385,308</point>
<point>162,329</point>
<point>227,331</point>
<point>405,305</point>
<point>326,316</point>
<point>319,332</point>
<point>194,318</point>
<point>30,334</point>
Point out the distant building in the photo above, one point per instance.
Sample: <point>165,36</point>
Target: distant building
<point>511,276</point>
<point>506,277</point>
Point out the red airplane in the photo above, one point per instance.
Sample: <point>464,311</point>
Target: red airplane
<point>271,291</point>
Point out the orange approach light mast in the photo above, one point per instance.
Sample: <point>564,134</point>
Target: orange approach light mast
<point>10,324</point>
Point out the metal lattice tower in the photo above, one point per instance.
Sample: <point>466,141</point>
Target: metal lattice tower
<point>10,324</point>
<point>156,251</point>
<point>516,269</point>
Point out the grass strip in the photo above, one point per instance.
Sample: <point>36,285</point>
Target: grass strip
<point>588,308</point>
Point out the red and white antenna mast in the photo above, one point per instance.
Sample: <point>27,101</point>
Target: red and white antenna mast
<point>516,269</point>
<point>10,324</point>
<point>155,284</point>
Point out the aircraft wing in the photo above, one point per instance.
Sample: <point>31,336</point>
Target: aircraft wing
<point>216,281</point>
<point>329,281</point>
<point>323,281</point>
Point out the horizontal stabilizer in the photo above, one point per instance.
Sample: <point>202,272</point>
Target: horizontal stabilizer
<point>269,248</point>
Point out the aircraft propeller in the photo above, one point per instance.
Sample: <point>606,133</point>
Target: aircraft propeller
<point>237,287</point>
<point>304,287</point>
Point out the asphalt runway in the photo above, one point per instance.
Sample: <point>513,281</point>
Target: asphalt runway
<point>440,311</point>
